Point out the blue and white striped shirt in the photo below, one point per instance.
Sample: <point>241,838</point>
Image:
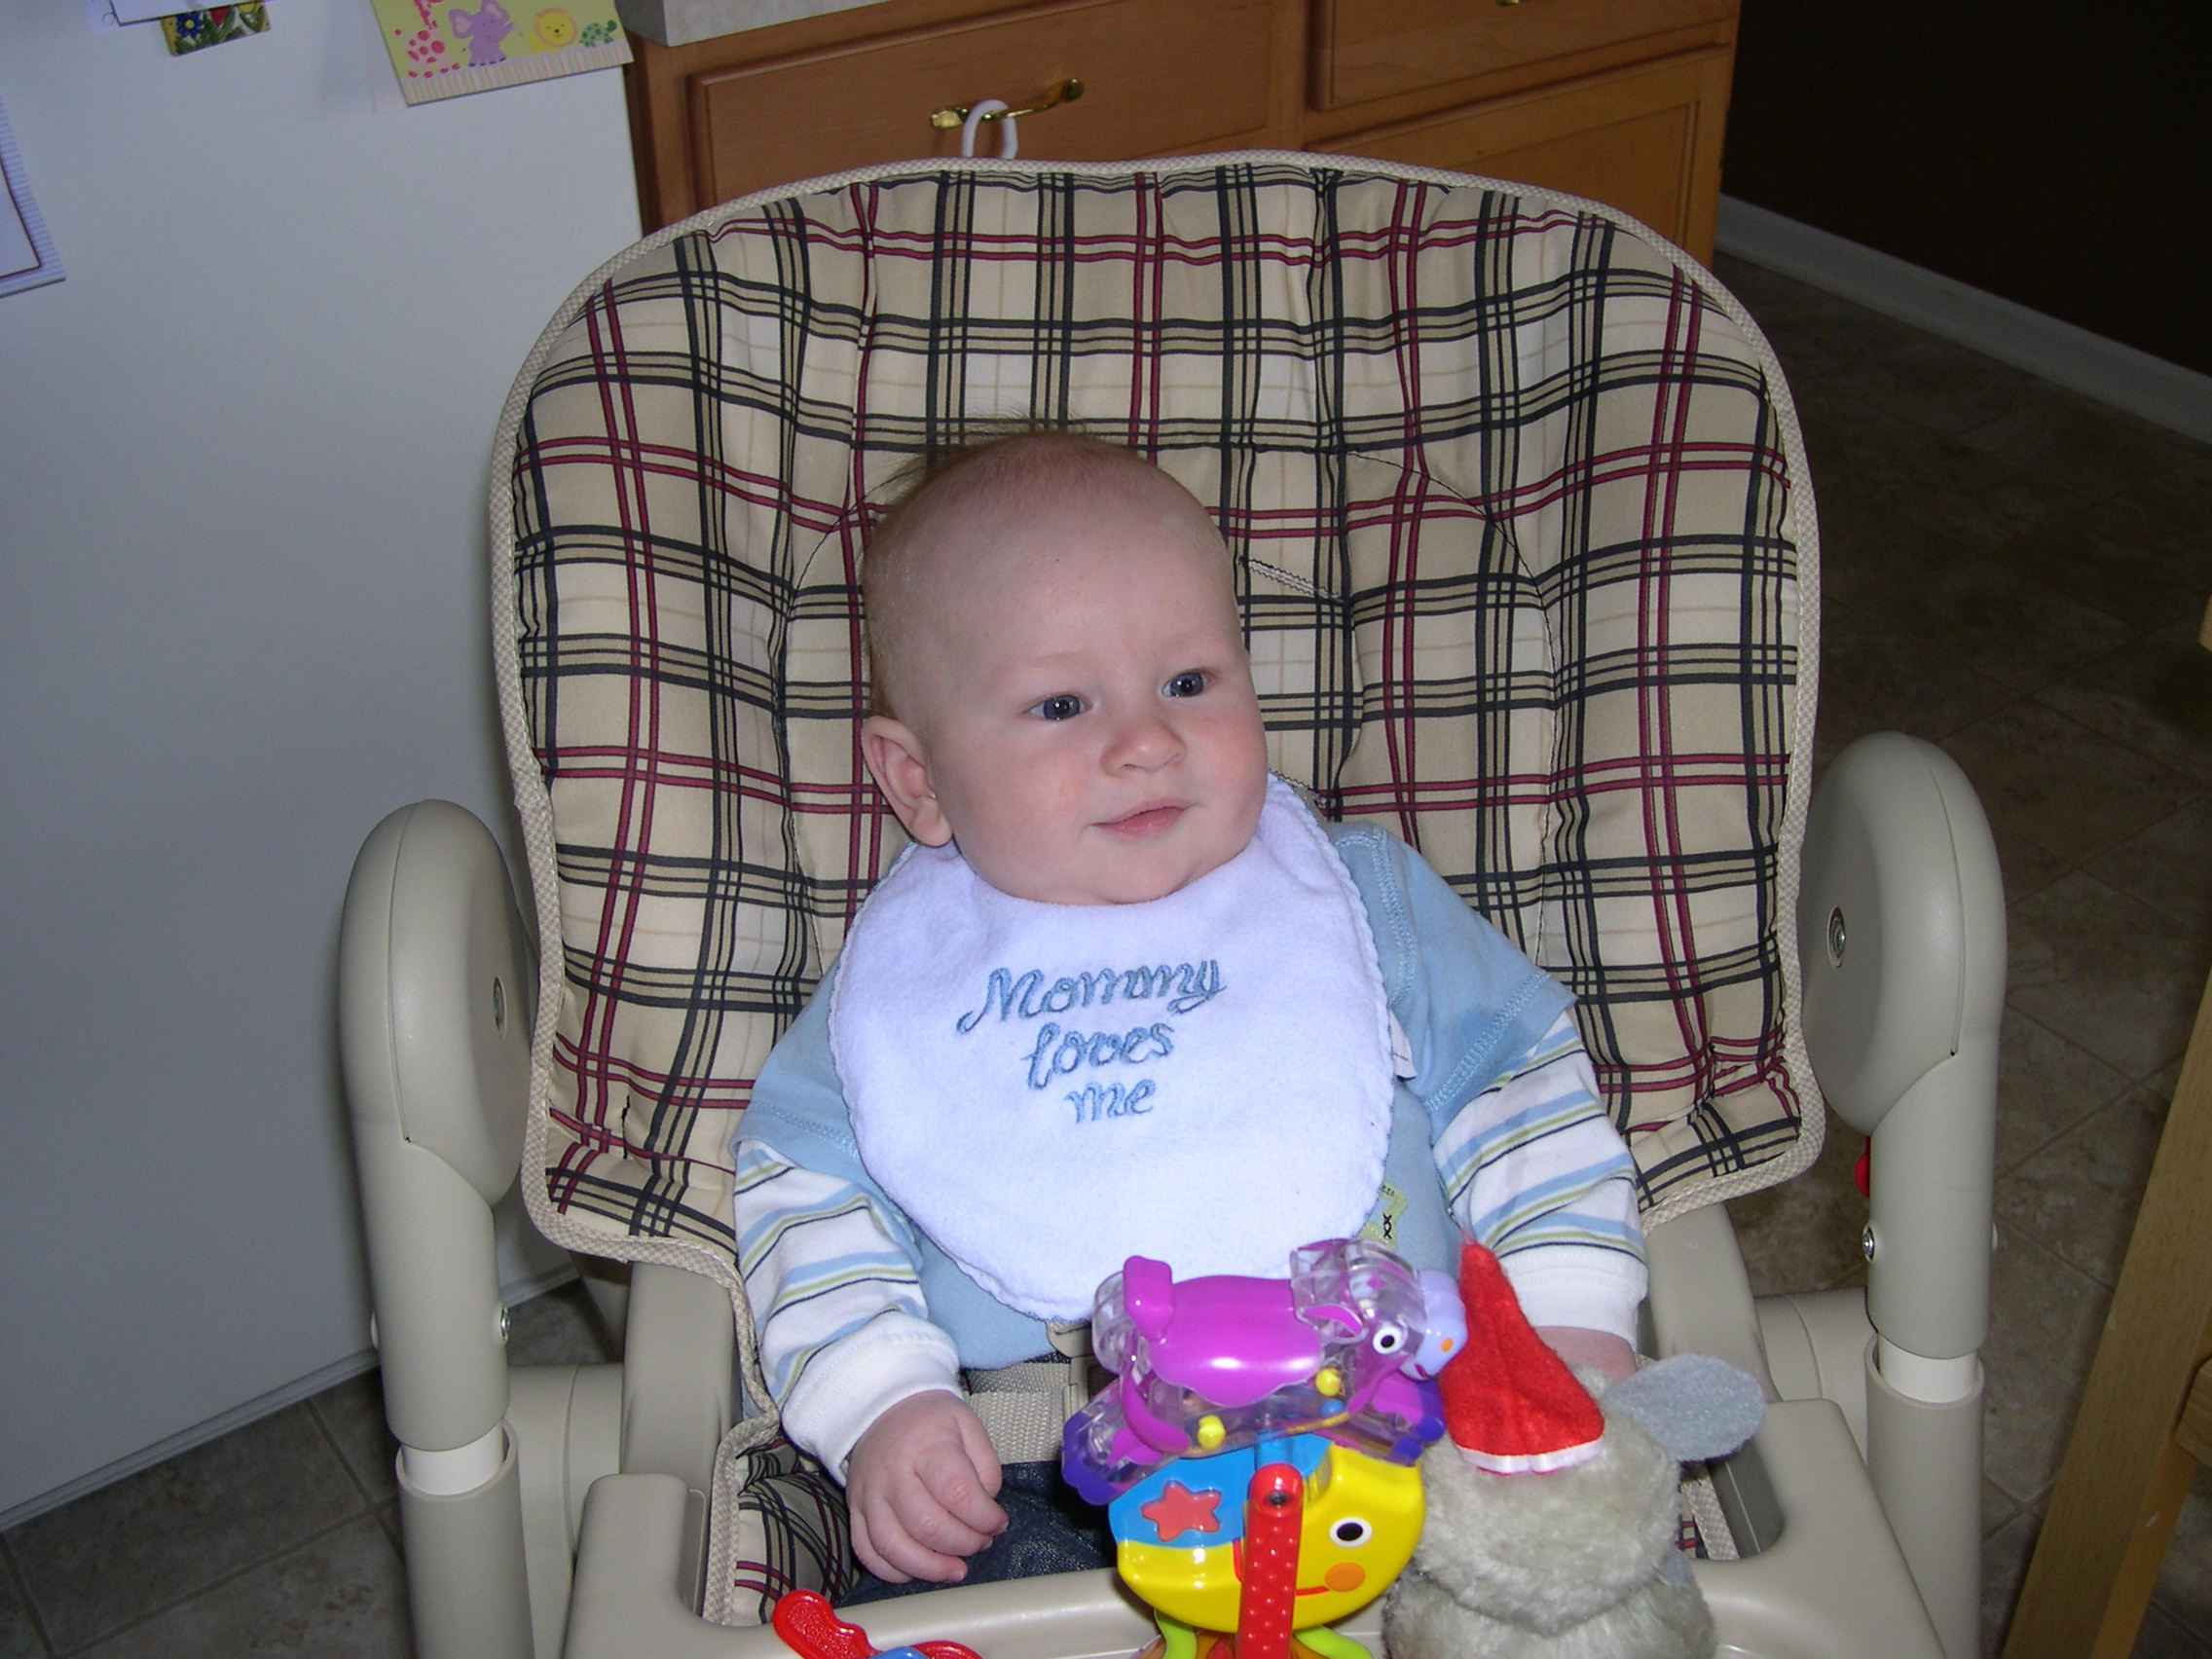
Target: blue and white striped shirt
<point>1498,1126</point>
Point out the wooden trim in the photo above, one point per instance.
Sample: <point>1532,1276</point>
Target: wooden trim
<point>2194,1435</point>
<point>1286,110</point>
<point>2125,1475</point>
<point>803,35</point>
<point>1322,124</point>
<point>1495,136</point>
<point>658,110</point>
<point>675,140</point>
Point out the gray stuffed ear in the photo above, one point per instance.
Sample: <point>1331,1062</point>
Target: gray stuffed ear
<point>1694,1406</point>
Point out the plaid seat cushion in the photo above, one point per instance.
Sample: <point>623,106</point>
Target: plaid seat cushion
<point>1522,537</point>
<point>779,1525</point>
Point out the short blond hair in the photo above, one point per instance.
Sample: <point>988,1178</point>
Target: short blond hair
<point>1009,464</point>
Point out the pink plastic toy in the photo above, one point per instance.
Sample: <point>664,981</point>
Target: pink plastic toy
<point>1344,1347</point>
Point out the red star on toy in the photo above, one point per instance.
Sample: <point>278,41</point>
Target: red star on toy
<point>1178,1510</point>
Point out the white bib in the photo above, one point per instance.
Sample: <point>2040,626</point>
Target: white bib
<point>1046,1089</point>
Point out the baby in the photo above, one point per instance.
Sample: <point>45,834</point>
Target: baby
<point>1124,995</point>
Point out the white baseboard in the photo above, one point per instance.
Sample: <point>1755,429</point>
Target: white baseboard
<point>253,1410</point>
<point>2104,369</point>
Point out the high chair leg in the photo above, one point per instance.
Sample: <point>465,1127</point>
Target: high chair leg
<point>1900,924</point>
<point>566,1422</point>
<point>434,992</point>
<point>467,1586</point>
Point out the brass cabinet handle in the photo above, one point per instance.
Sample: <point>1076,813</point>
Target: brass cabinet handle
<point>949,116</point>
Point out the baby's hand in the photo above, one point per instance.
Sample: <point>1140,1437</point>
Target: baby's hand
<point>1576,1346</point>
<point>920,1484</point>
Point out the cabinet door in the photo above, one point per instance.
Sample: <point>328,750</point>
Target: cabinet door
<point>1645,139</point>
<point>1157,75</point>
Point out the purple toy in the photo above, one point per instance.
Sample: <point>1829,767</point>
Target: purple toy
<point>1344,1347</point>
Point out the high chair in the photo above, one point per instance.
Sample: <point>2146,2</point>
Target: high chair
<point>1527,557</point>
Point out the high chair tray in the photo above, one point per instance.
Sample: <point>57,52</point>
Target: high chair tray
<point>1833,1586</point>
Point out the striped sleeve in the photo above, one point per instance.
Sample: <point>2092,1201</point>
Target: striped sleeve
<point>1534,1169</point>
<point>837,1302</point>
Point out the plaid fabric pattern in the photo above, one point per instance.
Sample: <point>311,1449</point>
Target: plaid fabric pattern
<point>779,1526</point>
<point>1517,505</point>
<point>1517,502</point>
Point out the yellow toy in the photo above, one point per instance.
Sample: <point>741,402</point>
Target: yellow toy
<point>1189,1539</point>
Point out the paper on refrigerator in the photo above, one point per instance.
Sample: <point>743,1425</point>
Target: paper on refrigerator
<point>26,251</point>
<point>444,47</point>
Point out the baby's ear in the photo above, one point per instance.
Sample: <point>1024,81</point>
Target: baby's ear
<point>902,771</point>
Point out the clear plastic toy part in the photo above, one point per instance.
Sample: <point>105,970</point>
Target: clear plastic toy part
<point>1345,1346</point>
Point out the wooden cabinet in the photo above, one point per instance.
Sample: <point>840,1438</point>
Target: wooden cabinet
<point>1645,138</point>
<point>1370,48</point>
<point>1623,100</point>
<point>877,94</point>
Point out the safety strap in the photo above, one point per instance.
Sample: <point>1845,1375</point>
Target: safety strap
<point>1025,1407</point>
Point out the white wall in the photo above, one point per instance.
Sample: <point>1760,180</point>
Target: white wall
<point>243,457</point>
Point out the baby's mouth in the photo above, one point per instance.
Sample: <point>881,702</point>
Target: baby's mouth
<point>1147,821</point>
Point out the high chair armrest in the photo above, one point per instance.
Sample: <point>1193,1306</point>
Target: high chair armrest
<point>1901,931</point>
<point>434,982</point>
<point>632,1595</point>
<point>1700,1296</point>
<point>1901,928</point>
<point>1834,1586</point>
<point>678,1356</point>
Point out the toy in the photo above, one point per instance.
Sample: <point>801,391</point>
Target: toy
<point>1345,1346</point>
<point>1576,1555</point>
<point>812,1629</point>
<point>1256,1448</point>
<point>1332,1525</point>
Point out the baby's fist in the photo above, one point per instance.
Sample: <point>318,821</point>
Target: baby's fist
<point>920,1484</point>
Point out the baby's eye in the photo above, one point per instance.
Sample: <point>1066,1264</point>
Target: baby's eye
<point>1189,683</point>
<point>1065,707</point>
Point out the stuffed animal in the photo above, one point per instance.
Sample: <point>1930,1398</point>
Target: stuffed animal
<point>1553,1517</point>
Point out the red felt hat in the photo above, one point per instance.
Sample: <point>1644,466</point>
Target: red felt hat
<point>1510,1404</point>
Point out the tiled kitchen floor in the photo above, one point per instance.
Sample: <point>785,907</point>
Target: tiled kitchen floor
<point>2012,571</point>
<point>2017,573</point>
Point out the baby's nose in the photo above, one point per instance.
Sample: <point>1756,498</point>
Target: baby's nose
<point>1144,739</point>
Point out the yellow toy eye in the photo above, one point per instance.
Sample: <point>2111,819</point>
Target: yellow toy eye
<point>1350,1532</point>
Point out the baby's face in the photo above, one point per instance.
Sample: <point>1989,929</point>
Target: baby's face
<point>1078,702</point>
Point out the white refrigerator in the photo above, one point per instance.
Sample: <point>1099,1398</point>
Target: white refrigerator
<point>244,457</point>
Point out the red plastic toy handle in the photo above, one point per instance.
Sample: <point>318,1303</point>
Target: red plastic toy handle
<point>1274,1505</point>
<point>811,1629</point>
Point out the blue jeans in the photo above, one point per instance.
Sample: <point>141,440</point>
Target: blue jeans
<point>1049,1528</point>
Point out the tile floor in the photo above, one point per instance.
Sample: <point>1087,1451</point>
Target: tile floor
<point>2017,573</point>
<point>280,1538</point>
<point>2012,571</point>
